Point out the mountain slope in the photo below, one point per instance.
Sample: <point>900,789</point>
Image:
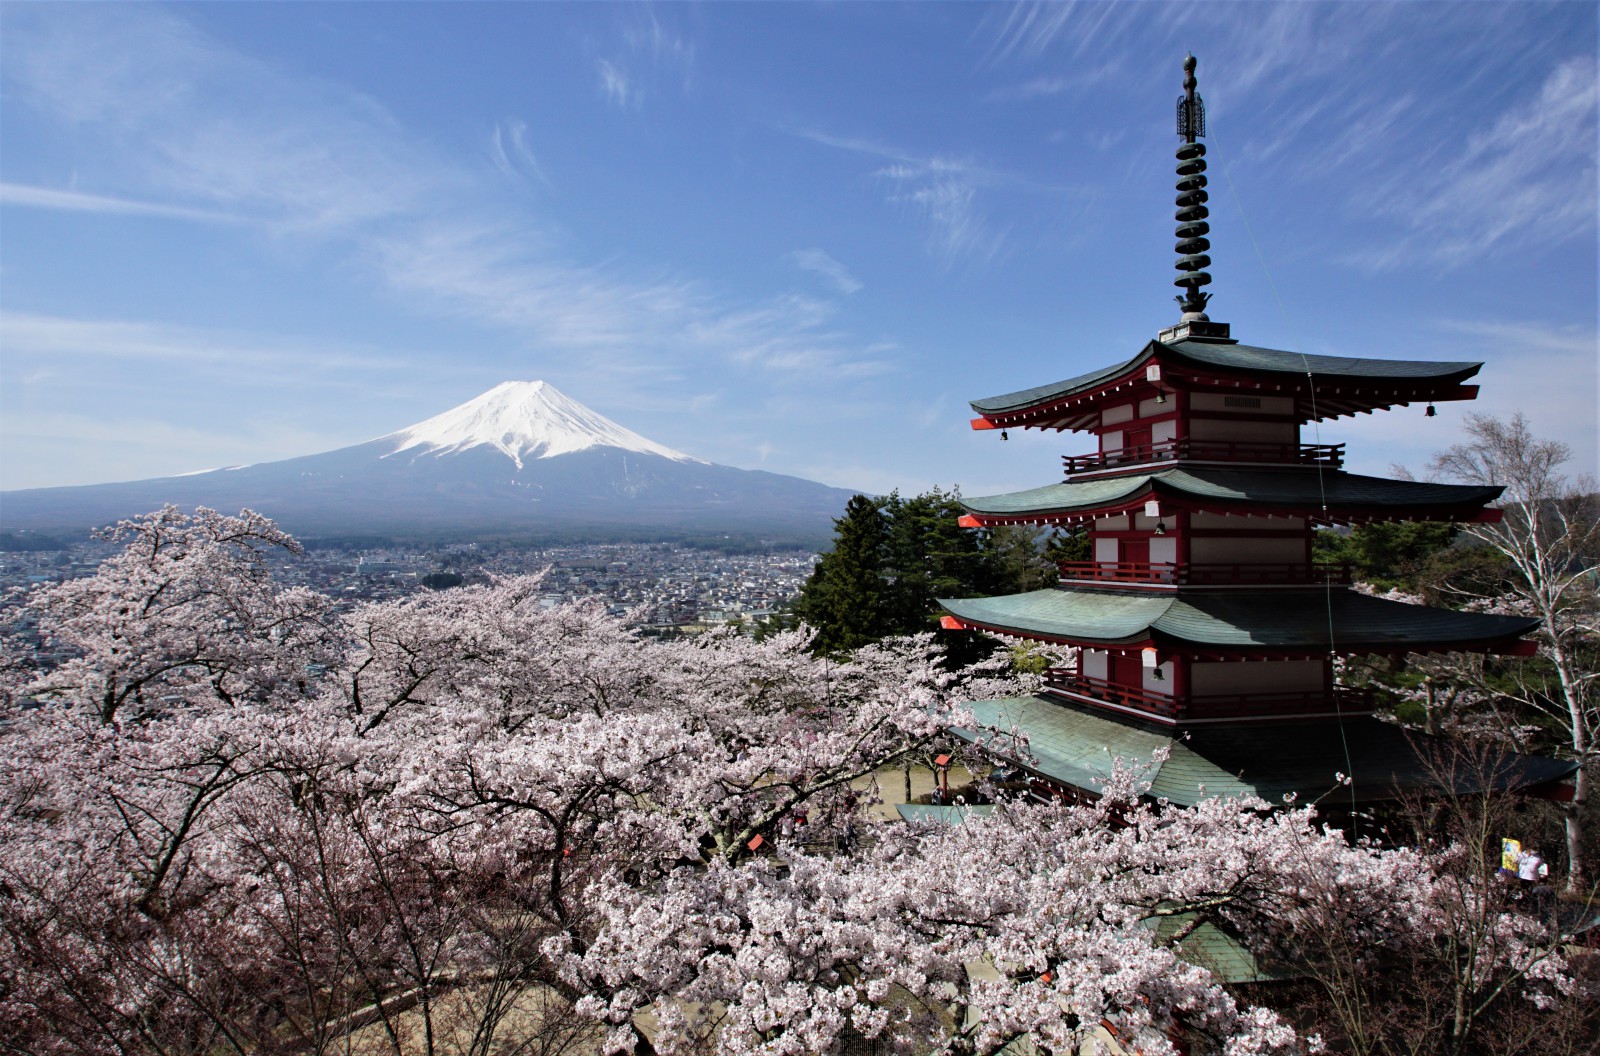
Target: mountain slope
<point>520,459</point>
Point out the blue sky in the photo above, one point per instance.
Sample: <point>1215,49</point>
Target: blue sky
<point>791,237</point>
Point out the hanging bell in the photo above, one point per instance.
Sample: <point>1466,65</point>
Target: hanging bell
<point>1007,436</point>
<point>1430,412</point>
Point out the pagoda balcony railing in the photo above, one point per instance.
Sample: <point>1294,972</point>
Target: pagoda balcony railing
<point>1328,455</point>
<point>1166,573</point>
<point>1099,689</point>
<point>1340,699</point>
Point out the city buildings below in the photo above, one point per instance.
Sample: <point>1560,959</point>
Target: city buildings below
<point>660,587</point>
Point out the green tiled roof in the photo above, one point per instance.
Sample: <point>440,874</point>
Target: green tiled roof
<point>1012,401</point>
<point>1261,619</point>
<point>1076,745</point>
<point>1212,948</point>
<point>1297,486</point>
<point>1248,357</point>
<point>1239,358</point>
<point>1095,616</point>
<point>948,814</point>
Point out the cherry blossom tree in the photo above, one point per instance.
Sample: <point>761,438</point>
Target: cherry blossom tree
<point>1455,960</point>
<point>233,822</point>
<point>185,614</point>
<point>1549,535</point>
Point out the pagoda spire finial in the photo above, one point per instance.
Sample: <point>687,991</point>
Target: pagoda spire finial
<point>1191,201</point>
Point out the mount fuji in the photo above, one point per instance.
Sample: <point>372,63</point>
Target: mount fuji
<point>522,460</point>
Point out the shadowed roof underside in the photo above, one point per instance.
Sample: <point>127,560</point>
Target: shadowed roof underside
<point>1328,496</point>
<point>1077,746</point>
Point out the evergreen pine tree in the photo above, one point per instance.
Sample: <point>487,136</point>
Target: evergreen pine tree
<point>844,599</point>
<point>930,556</point>
<point>894,557</point>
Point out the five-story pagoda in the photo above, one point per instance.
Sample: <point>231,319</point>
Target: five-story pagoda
<point>1201,624</point>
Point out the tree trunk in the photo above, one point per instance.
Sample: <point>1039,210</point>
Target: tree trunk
<point>1572,817</point>
<point>1572,814</point>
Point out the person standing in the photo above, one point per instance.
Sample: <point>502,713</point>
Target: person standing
<point>1531,869</point>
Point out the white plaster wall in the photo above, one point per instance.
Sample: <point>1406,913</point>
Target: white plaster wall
<point>1161,432</point>
<point>1111,524</point>
<point>1111,441</point>
<point>1162,685</point>
<point>1094,663</point>
<point>1163,548</point>
<point>1105,549</point>
<point>1113,415</point>
<point>1245,551</point>
<point>1255,676</point>
<point>1150,408</point>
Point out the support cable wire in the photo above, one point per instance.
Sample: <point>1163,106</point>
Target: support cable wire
<point>1316,425</point>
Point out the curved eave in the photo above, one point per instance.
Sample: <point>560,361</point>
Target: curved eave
<point>1337,386</point>
<point>1076,746</point>
<point>1327,498</point>
<point>1248,623</point>
<point>1067,617</point>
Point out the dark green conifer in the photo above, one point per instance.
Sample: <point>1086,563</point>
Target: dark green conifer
<point>844,598</point>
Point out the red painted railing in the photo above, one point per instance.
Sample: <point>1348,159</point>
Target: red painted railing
<point>1165,572</point>
<point>1112,692</point>
<point>1341,699</point>
<point>1330,455</point>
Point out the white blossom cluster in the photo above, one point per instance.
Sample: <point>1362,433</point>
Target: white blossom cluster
<point>236,822</point>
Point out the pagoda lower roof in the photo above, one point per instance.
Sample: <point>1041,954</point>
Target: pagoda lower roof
<point>1077,746</point>
<point>1248,623</point>
<point>1325,495</point>
<point>1385,382</point>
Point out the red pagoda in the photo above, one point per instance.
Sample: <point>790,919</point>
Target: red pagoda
<point>1201,624</point>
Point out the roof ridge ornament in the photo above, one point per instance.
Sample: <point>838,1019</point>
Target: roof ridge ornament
<point>1191,217</point>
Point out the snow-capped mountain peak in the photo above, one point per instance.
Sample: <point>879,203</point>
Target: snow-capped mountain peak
<point>524,420</point>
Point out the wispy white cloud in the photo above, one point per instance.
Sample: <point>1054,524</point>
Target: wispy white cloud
<point>666,48</point>
<point>1027,31</point>
<point>820,263</point>
<point>206,128</point>
<point>617,87</point>
<point>1563,341</point>
<point>649,51</point>
<point>941,191</point>
<point>790,334</point>
<point>945,195</point>
<point>78,202</point>
<point>1528,178</point>
<point>511,277</point>
<point>137,446</point>
<point>511,153</point>
<point>1452,167</point>
<point>1048,86</point>
<point>1521,358</point>
<point>181,116</point>
<point>31,338</point>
